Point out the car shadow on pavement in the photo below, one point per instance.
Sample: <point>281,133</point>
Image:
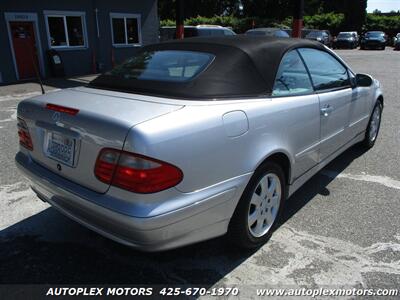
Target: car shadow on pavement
<point>32,251</point>
<point>319,182</point>
<point>50,248</point>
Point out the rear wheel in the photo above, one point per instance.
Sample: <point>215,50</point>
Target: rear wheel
<point>373,126</point>
<point>259,208</point>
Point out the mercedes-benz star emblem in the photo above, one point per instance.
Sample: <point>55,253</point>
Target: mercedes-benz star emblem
<point>56,116</point>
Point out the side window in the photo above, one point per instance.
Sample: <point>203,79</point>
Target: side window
<point>281,33</point>
<point>326,71</point>
<point>228,32</point>
<point>292,77</point>
<point>204,32</point>
<point>217,32</point>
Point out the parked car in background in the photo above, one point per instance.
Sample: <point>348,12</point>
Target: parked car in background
<point>373,40</point>
<point>271,32</point>
<point>169,32</point>
<point>304,32</point>
<point>345,40</point>
<point>330,36</point>
<point>396,41</point>
<point>321,36</point>
<point>356,35</point>
<point>166,150</point>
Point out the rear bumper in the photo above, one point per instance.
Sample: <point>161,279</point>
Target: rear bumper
<point>373,45</point>
<point>202,220</point>
<point>344,44</point>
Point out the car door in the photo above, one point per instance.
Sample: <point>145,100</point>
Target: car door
<point>332,83</point>
<point>359,112</point>
<point>298,118</point>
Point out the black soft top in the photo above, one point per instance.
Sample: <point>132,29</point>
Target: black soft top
<point>244,66</point>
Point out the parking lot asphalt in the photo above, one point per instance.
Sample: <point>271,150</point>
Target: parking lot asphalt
<point>342,229</point>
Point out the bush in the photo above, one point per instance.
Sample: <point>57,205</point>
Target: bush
<point>330,21</point>
<point>334,22</point>
<point>239,25</point>
<point>388,24</point>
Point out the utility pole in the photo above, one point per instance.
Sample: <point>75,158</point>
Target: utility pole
<point>180,32</point>
<point>298,18</point>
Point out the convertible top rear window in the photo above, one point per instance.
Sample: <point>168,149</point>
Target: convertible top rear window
<point>206,68</point>
<point>165,65</point>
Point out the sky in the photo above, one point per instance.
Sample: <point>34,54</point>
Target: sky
<point>383,5</point>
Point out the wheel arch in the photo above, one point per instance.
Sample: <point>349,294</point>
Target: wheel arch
<point>380,98</point>
<point>282,159</point>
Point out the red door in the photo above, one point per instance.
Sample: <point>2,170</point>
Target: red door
<point>23,38</point>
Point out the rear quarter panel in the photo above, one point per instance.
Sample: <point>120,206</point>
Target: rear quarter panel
<point>197,140</point>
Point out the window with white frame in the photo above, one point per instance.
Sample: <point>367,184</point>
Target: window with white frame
<point>125,29</point>
<point>66,29</point>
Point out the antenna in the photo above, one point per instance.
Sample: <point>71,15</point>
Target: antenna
<point>39,79</point>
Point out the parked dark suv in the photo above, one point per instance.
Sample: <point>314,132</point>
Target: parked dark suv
<point>322,36</point>
<point>396,42</point>
<point>345,40</point>
<point>273,32</point>
<point>168,32</point>
<point>373,40</point>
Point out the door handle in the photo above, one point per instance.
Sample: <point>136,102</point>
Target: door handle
<point>326,110</point>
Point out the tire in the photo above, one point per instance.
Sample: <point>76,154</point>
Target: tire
<point>243,230</point>
<point>372,132</point>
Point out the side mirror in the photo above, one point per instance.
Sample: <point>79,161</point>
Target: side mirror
<point>364,80</point>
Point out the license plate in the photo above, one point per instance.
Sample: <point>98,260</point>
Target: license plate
<point>60,147</point>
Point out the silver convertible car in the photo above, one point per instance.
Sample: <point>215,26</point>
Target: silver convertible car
<point>189,140</point>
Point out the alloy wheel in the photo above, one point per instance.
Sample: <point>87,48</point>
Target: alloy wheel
<point>264,205</point>
<point>375,123</point>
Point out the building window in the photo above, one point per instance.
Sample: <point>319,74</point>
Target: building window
<point>125,29</point>
<point>66,29</point>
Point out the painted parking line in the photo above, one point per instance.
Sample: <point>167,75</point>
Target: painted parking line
<point>307,257</point>
<point>383,180</point>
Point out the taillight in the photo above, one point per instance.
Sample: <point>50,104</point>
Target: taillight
<point>63,109</point>
<point>24,136</point>
<point>134,172</point>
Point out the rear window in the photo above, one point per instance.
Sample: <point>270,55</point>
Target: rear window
<point>345,35</point>
<point>255,32</point>
<point>314,34</point>
<point>374,34</point>
<point>209,32</point>
<point>164,65</point>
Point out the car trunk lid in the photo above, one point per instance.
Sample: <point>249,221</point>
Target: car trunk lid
<point>69,143</point>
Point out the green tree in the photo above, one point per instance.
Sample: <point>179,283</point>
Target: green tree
<point>194,8</point>
<point>279,10</point>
